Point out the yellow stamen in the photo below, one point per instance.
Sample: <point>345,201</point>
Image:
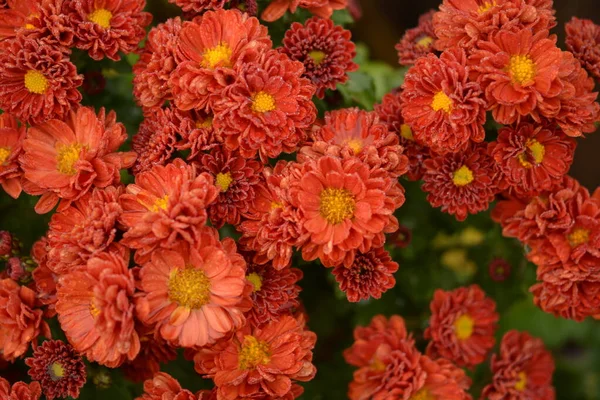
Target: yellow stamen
<point>253,353</point>
<point>207,123</point>
<point>56,371</point>
<point>218,56</point>
<point>423,394</point>
<point>406,132</point>
<point>337,205</point>
<point>522,382</point>
<point>36,82</point>
<point>578,237</point>
<point>521,69</point>
<point>317,56</point>
<point>441,101</point>
<point>4,153</point>
<point>189,287</point>
<point>276,204</point>
<point>29,26</point>
<point>66,158</point>
<point>223,181</point>
<point>425,41</point>
<point>355,144</point>
<point>263,102</point>
<point>160,204</point>
<point>101,17</point>
<point>486,6</point>
<point>377,365</point>
<point>537,151</point>
<point>462,176</point>
<point>463,327</point>
<point>255,280</point>
<point>94,310</point>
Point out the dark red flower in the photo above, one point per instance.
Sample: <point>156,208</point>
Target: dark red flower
<point>417,42</point>
<point>17,16</point>
<point>6,244</point>
<point>401,238</point>
<point>499,269</point>
<point>583,40</point>
<point>156,139</point>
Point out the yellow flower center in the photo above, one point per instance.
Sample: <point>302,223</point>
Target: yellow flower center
<point>29,26</point>
<point>56,371</point>
<point>223,181</point>
<point>441,101</point>
<point>425,41</point>
<point>537,152</point>
<point>207,123</point>
<point>578,237</point>
<point>36,82</point>
<point>263,102</point>
<point>66,158</point>
<point>486,6</point>
<point>522,382</point>
<point>189,287</point>
<point>462,176</point>
<point>336,205</point>
<point>94,310</point>
<point>422,394</point>
<point>253,353</point>
<point>317,56</point>
<point>218,56</point>
<point>377,365</point>
<point>463,327</point>
<point>160,204</point>
<point>101,17</point>
<point>355,144</point>
<point>406,132</point>
<point>255,280</point>
<point>276,204</point>
<point>4,153</point>
<point>521,68</point>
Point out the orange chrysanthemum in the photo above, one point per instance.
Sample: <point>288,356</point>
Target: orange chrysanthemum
<point>155,140</point>
<point>321,8</point>
<point>95,309</point>
<point>165,205</point>
<point>522,370</point>
<point>163,386</point>
<point>45,280</point>
<point>194,294</point>
<point>11,145</point>
<point>66,159</point>
<point>444,381</point>
<point>462,325</point>
<point>20,390</point>
<point>583,40</point>
<point>18,17</point>
<point>260,361</point>
<point>417,42</point>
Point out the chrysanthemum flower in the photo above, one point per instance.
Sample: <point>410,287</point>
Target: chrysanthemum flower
<point>164,386</point>
<point>444,381</point>
<point>522,370</point>
<point>321,8</point>
<point>17,16</point>
<point>44,279</point>
<point>462,183</point>
<point>236,178</point>
<point>87,227</point>
<point>465,22</point>
<point>11,145</point>
<point>105,28</point>
<point>346,207</point>
<point>274,292</point>
<point>462,325</point>
<point>194,294</point>
<point>417,42</point>
<point>6,244</point>
<point>197,131</point>
<point>65,160</point>
<point>156,139</point>
<point>153,352</point>
<point>199,6</point>
<point>533,158</point>
<point>37,80</point>
<point>209,49</point>
<point>20,390</point>
<point>390,112</point>
<point>325,50</point>
<point>260,361</point>
<point>20,319</point>
<point>499,269</point>
<point>165,205</point>
<point>95,309</point>
<point>58,368</point>
<point>370,275</point>
<point>444,109</point>
<point>268,108</point>
<point>157,61</point>
<point>583,40</point>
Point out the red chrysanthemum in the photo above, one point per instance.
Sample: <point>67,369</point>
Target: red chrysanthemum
<point>66,159</point>
<point>499,269</point>
<point>20,319</point>
<point>106,27</point>
<point>390,112</point>
<point>199,6</point>
<point>45,280</point>
<point>194,294</point>
<point>325,50</point>
<point>522,370</point>
<point>157,61</point>
<point>87,227</point>
<point>236,178</point>
<point>17,16</point>
<point>349,133</point>
<point>163,386</point>
<point>462,325</point>
<point>37,80</point>
<point>268,108</point>
<point>11,146</point>
<point>533,158</point>
<point>153,352</point>
<point>274,292</point>
<point>156,139</point>
<point>444,381</point>
<point>197,132</point>
<point>417,42</point>
<point>346,208</point>
<point>462,183</point>
<point>370,275</point>
<point>20,390</point>
<point>58,368</point>
<point>444,109</point>
<point>165,205</point>
<point>466,22</point>
<point>211,48</point>
<point>583,40</point>
<point>260,361</point>
<point>95,309</point>
<point>321,8</point>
